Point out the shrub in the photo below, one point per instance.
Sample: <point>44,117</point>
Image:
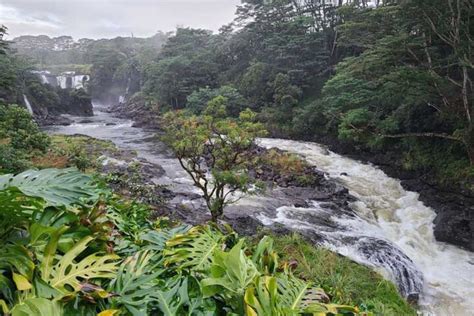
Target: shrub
<point>214,150</point>
<point>20,139</point>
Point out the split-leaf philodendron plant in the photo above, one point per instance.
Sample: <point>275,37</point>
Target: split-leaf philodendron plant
<point>64,253</point>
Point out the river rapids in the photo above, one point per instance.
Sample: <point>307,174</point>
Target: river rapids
<point>389,229</point>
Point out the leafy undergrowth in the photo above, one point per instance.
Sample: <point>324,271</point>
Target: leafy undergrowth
<point>69,247</point>
<point>345,281</point>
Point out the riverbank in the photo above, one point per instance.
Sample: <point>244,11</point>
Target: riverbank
<point>453,204</point>
<point>132,176</point>
<point>386,228</point>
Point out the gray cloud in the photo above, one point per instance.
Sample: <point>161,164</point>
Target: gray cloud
<point>111,18</point>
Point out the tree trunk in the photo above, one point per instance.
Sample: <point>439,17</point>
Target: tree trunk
<point>217,204</point>
<point>471,154</point>
<point>469,142</point>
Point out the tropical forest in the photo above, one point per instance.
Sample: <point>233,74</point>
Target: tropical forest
<point>228,157</point>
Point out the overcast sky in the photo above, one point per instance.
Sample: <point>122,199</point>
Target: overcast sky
<point>111,18</point>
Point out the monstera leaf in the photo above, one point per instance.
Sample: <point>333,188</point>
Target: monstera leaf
<point>193,250</point>
<point>181,295</point>
<point>56,186</point>
<point>68,273</point>
<point>16,258</point>
<point>286,295</point>
<point>134,282</point>
<point>231,273</point>
<point>292,291</point>
<point>16,209</point>
<point>37,307</point>
<point>173,296</point>
<point>157,238</point>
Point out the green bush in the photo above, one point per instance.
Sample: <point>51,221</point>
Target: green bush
<point>20,138</point>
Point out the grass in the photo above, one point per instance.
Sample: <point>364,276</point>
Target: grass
<point>76,150</point>
<point>346,281</point>
<point>94,147</point>
<point>286,163</point>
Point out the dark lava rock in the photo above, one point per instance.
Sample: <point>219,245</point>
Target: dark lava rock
<point>54,120</point>
<point>244,225</point>
<point>137,109</point>
<point>75,102</point>
<point>86,121</point>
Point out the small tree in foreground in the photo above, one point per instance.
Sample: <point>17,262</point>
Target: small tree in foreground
<point>215,151</point>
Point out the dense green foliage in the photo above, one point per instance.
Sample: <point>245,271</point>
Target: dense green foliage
<point>71,247</point>
<point>20,139</point>
<point>408,87</point>
<point>395,77</point>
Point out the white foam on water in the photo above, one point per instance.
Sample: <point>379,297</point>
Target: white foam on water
<point>28,104</point>
<point>387,211</point>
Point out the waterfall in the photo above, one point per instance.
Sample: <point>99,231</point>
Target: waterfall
<point>28,104</point>
<point>78,81</point>
<point>127,90</point>
<point>121,99</point>
<point>62,81</point>
<point>67,80</point>
<point>44,79</point>
<point>392,229</point>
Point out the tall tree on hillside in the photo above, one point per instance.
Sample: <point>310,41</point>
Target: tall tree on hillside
<point>185,64</point>
<point>3,43</point>
<point>413,82</point>
<point>451,24</point>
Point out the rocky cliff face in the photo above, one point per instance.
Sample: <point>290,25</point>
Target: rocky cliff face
<point>47,102</point>
<point>74,102</point>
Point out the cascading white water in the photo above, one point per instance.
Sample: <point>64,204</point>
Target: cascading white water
<point>127,90</point>
<point>78,81</point>
<point>44,79</point>
<point>28,104</point>
<point>388,212</point>
<point>65,80</point>
<point>62,81</point>
<point>389,229</point>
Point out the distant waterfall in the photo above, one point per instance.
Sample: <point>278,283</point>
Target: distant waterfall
<point>44,79</point>
<point>66,80</point>
<point>28,104</point>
